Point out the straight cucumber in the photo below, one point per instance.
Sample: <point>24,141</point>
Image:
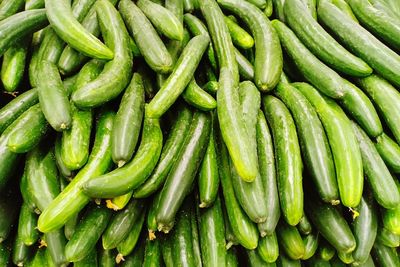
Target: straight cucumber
<point>385,256</point>
<point>389,151</point>
<point>20,252</point>
<point>246,69</point>
<point>391,218</point>
<point>10,7</point>
<point>305,226</point>
<point>63,170</point>
<point>137,257</point>
<point>284,261</point>
<point>290,240</point>
<point>239,36</point>
<point>13,67</point>
<point>195,236</point>
<point>387,238</point>
<point>345,257</point>
<point>27,225</point>
<point>152,254</point>
<point>106,258</point>
<point>325,250</point>
<point>310,245</point>
<point>254,260</point>
<point>231,258</point>
<point>126,246</point>
<point>8,159</point>
<point>268,248</point>
<point>89,261</point>
<point>56,246</point>
<point>34,4</point>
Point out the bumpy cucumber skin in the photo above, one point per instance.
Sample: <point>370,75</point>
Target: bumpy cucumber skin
<point>391,218</point>
<point>389,151</point>
<point>384,256</point>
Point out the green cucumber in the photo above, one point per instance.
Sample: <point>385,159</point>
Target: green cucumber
<point>34,4</point>
<point>64,171</point>
<point>20,252</point>
<point>289,165</point>
<point>39,259</point>
<point>325,250</point>
<point>27,225</point>
<point>344,7</point>
<point>88,73</point>
<point>391,218</point>
<point>56,246</point>
<point>313,142</point>
<point>336,262</point>
<point>311,7</point>
<point>137,257</point>
<point>89,261</point>
<point>268,248</point>
<point>106,258</point>
<point>195,236</point>
<point>231,258</point>
<point>304,225</point>
<point>239,36</point>
<point>310,245</point>
<point>230,237</point>
<point>152,254</point>
<point>385,256</point>
<point>119,202</point>
<point>387,238</point>
<point>320,43</point>
<point>13,67</point>
<point>26,195</point>
<point>150,45</point>
<point>166,250</point>
<point>368,263</point>
<point>176,7</point>
<point>9,209</point>
<point>290,240</point>
<point>188,6</point>
<point>8,159</point>
<point>316,72</point>
<point>317,262</point>
<point>254,260</point>
<point>128,122</point>
<point>37,38</point>
<point>278,9</point>
<point>197,97</point>
<point>70,226</point>
<point>126,246</point>
<point>359,41</point>
<point>182,173</point>
<point>284,261</point>
<point>261,4</point>
<point>268,58</point>
<point>50,48</point>
<point>87,233</point>
<point>346,152</point>
<point>72,199</point>
<point>246,69</point>
<point>5,255</point>
<point>389,151</point>
<point>211,87</point>
<point>10,7</point>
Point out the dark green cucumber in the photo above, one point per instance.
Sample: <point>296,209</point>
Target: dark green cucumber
<point>336,262</point>
<point>231,239</point>
<point>170,151</point>
<point>387,238</point>
<point>266,163</point>
<point>389,151</point>
<point>268,58</point>
<point>37,39</point>
<point>325,250</point>
<point>150,45</point>
<point>212,235</point>
<point>268,248</point>
<point>64,171</point>
<point>8,159</point>
<point>320,75</point>
<point>331,224</point>
<point>20,252</point>
<point>313,142</point>
<point>26,195</point>
<point>106,257</point>
<point>359,41</point>
<point>34,4</point>
<point>129,177</point>
<point>88,73</point>
<point>304,225</point>
<point>166,250</point>
<point>246,69</point>
<point>391,218</point>
<point>56,246</point>
<point>197,97</point>
<point>137,257</point>
<point>152,254</point>
<point>183,172</point>
<point>289,164</point>
<point>122,223</point>
<point>195,235</point>
<point>12,70</point>
<point>8,215</point>
<point>5,255</point>
<point>19,25</point>
<point>284,261</point>
<point>10,7</point>
<point>211,87</point>
<point>126,246</point>
<point>310,245</point>
<point>72,199</point>
<point>70,226</point>
<point>128,121</point>
<point>239,36</point>
<point>346,152</point>
<point>320,43</point>
<point>254,260</point>
<point>317,262</point>
<point>27,222</point>
<point>385,97</point>
<point>290,240</point>
<point>89,261</point>
<point>368,263</point>
<point>242,227</point>
<point>87,233</point>
<point>384,256</point>
<point>176,7</point>
<point>378,176</point>
<point>231,258</point>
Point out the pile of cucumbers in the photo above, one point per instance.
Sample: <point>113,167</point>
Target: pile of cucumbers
<point>200,133</point>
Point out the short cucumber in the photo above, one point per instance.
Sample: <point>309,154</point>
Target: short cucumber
<point>239,36</point>
<point>325,250</point>
<point>194,95</point>
<point>64,171</point>
<point>20,252</point>
<point>310,245</point>
<point>284,261</point>
<point>387,238</point>
<point>13,67</point>
<point>126,246</point>
<point>389,151</point>
<point>254,260</point>
<point>391,218</point>
<point>304,225</point>
<point>385,256</point>
<point>152,254</point>
<point>268,248</point>
<point>26,195</point>
<point>290,240</point>
<point>27,225</point>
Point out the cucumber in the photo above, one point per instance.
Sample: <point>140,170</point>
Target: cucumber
<point>231,258</point>
<point>311,7</point>
<point>320,43</point>
<point>378,176</point>
<point>163,19</point>
<point>239,36</point>
<point>254,260</point>
<point>56,246</point>
<point>384,256</point>
<point>13,67</point>
<point>152,254</point>
<point>60,15</point>
<point>119,202</point>
<point>368,263</point>
<point>289,165</point>
<point>284,261</point>
<point>325,251</point>
<point>72,199</point>
<point>278,9</point>
<point>137,256</point>
<point>27,222</point>
<point>71,225</point>
<point>89,261</point>
<point>150,45</point>
<point>126,246</point>
<point>5,255</point>
<point>26,195</point>
<point>211,87</point>
<point>10,7</point>
<point>246,70</point>
<point>313,142</point>
<point>20,252</point>
<point>182,173</point>
<point>310,245</point>
<point>50,48</point>
<point>391,218</point>
<point>9,213</point>
<point>19,25</point>
<point>176,7</point>
<point>316,262</point>
<point>389,151</point>
<point>365,228</point>
<point>128,121</point>
<point>290,240</point>
<point>130,176</point>
<point>105,258</point>
<point>316,72</point>
<point>268,58</point>
<point>230,237</point>
<point>39,259</point>
<point>169,153</point>
<point>166,250</point>
<point>188,6</point>
<point>87,233</point>
<point>88,73</point>
<point>34,4</point>
<point>117,72</point>
<point>261,4</point>
<point>387,238</point>
<point>63,170</point>
<point>194,95</point>
<point>212,235</point>
<point>346,153</point>
<point>27,130</point>
<point>266,162</point>
<point>305,226</point>
<point>268,248</point>
<point>344,7</point>
<point>195,235</point>
<point>381,58</point>
<point>8,159</point>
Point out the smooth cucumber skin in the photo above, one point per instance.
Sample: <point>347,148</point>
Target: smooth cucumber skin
<point>316,72</point>
<point>348,165</point>
<point>305,226</point>
<point>28,130</point>
<point>127,178</point>
<point>290,240</point>
<point>20,252</point>
<point>87,233</point>
<point>137,257</point>
<point>284,261</point>
<point>152,254</point>
<point>313,142</point>
<point>89,261</point>
<point>231,258</point>
<point>347,258</point>
<point>268,59</point>
<point>391,218</point>
<point>326,251</point>
<point>310,245</point>
<point>387,238</point>
<point>212,235</point>
<point>26,195</point>
<point>254,260</point>
<point>289,165</point>
<point>266,163</point>
<point>239,36</point>
<point>182,173</point>
<point>359,41</point>
<point>128,121</point>
<point>344,7</point>
<point>246,69</point>
<point>9,214</point>
<point>34,4</point>
<point>106,258</point>
<point>389,151</point>
<point>13,67</point>
<point>27,225</point>
<point>320,42</point>
<point>268,248</point>
<point>10,7</point>
<point>365,228</point>
<point>126,246</point>
<point>379,177</point>
<point>9,159</point>
<point>170,150</point>
<point>197,97</point>
<point>50,47</point>
<point>72,199</point>
<point>384,256</point>
<point>56,247</point>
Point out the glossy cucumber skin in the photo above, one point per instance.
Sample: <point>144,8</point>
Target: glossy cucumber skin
<point>239,36</point>
<point>27,225</point>
<point>127,178</point>
<point>105,258</point>
<point>170,151</point>
<point>119,202</point>
<point>347,258</point>
<point>13,67</point>
<point>305,226</point>
<point>166,250</point>
<point>64,171</point>
<point>348,165</point>
<point>289,165</point>
<point>254,260</point>
<point>246,69</point>
<point>9,214</point>
<point>391,218</point>
<point>26,195</point>
<point>137,257</point>
<point>389,151</point>
<point>313,141</point>
<point>195,236</point>
<point>10,7</point>
<point>344,7</point>
<point>197,97</point>
<point>268,59</point>
<point>152,254</point>
<point>56,246</point>
<point>268,248</point>
<point>326,251</point>
<point>387,238</point>
<point>128,121</point>
<point>150,45</point>
<point>321,43</point>
<point>20,252</point>
<point>182,173</point>
<point>384,256</point>
<point>87,233</point>
<point>20,24</point>
<point>290,240</point>
<point>89,261</point>
<point>266,163</point>
<point>126,246</point>
<point>284,261</point>
<point>310,245</point>
<point>9,159</point>
<point>379,177</point>
<point>231,258</point>
<point>72,199</point>
<point>381,58</point>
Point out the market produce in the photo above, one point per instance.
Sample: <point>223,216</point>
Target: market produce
<point>199,133</point>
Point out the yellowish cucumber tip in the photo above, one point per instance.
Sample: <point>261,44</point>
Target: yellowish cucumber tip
<point>152,235</point>
<point>37,211</point>
<point>42,243</point>
<point>203,205</point>
<point>229,245</point>
<point>119,258</point>
<point>355,213</point>
<point>121,163</point>
<point>111,205</point>
<point>20,264</point>
<point>97,201</point>
<point>63,126</point>
<point>335,202</point>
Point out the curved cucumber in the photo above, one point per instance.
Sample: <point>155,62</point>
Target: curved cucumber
<point>389,151</point>
<point>197,97</point>
<point>10,7</point>
<point>246,69</point>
